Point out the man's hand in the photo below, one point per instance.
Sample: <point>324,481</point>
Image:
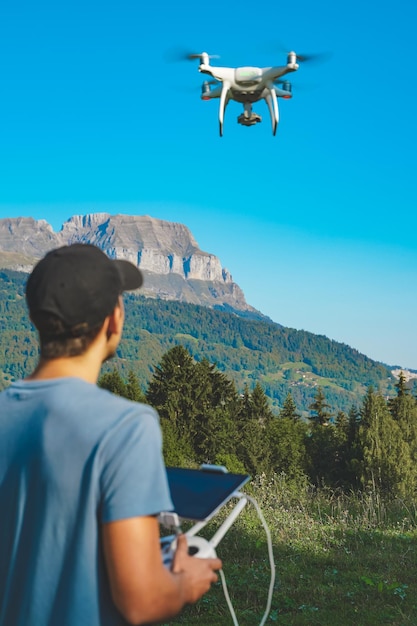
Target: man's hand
<point>143,590</point>
<point>199,573</point>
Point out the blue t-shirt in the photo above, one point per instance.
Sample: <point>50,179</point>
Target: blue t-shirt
<point>72,456</point>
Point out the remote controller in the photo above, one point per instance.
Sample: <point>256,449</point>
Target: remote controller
<point>197,547</point>
<point>200,548</point>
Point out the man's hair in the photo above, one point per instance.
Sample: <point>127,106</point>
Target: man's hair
<point>58,340</point>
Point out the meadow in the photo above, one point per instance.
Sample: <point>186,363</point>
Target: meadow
<point>341,559</point>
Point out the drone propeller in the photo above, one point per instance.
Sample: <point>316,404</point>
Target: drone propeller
<point>197,55</point>
<point>181,54</point>
<point>315,58</point>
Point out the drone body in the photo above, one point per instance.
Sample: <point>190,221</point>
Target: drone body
<point>247,85</point>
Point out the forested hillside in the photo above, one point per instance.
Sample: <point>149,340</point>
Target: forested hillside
<point>205,420</point>
<point>279,359</point>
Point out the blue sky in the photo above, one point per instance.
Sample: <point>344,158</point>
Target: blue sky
<point>317,225</point>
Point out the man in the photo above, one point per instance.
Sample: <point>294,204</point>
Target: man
<point>81,471</point>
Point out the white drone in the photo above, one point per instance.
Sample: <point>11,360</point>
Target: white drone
<point>247,85</point>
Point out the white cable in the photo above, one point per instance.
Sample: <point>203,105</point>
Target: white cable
<point>271,558</point>
<point>271,563</point>
<point>228,600</point>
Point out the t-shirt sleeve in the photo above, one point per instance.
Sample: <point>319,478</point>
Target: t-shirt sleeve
<point>133,480</point>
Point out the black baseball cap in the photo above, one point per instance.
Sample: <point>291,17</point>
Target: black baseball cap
<point>79,284</point>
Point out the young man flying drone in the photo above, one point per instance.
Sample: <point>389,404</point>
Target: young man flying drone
<point>82,477</point>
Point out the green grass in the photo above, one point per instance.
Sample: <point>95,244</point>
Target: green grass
<point>340,559</point>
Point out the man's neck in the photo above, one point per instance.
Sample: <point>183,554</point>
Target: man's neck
<point>83,367</point>
<point>86,366</point>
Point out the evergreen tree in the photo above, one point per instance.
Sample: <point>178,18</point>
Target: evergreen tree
<point>401,386</point>
<point>176,452</point>
<point>245,412</point>
<point>353,425</point>
<point>214,436</point>
<point>286,443</point>
<point>260,406</point>
<point>289,409</point>
<point>199,402</point>
<point>347,455</point>
<point>323,455</point>
<point>320,414</point>
<point>213,427</point>
<point>387,464</point>
<point>252,445</point>
<point>112,381</point>
<point>170,389</point>
<point>325,444</point>
<point>353,452</point>
<point>403,409</point>
<point>133,390</point>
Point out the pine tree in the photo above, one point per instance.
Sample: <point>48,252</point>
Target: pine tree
<point>112,381</point>
<point>252,446</point>
<point>387,463</point>
<point>170,393</point>
<point>323,455</point>
<point>133,390</point>
<point>286,442</point>
<point>353,453</point>
<point>260,406</point>
<point>213,427</point>
<point>347,454</point>
<point>199,402</point>
<point>176,451</point>
<point>319,408</point>
<point>403,409</point>
<point>170,390</point>
<point>289,409</point>
<point>403,406</point>
<point>401,386</point>
<point>325,443</point>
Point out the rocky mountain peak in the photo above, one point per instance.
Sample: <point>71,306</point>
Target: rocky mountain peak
<point>173,265</point>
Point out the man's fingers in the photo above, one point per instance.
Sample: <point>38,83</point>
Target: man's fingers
<point>216,564</point>
<point>182,543</point>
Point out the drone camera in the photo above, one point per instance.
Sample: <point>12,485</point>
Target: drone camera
<point>249,119</point>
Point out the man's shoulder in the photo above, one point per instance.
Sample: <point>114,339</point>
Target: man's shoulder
<point>96,414</point>
<point>109,402</point>
<point>77,400</point>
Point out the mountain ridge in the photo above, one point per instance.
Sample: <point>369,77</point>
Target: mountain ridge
<point>248,351</point>
<point>174,266</point>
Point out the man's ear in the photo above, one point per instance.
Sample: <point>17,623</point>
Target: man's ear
<point>115,321</point>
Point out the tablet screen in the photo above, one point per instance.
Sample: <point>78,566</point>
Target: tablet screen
<point>198,494</point>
